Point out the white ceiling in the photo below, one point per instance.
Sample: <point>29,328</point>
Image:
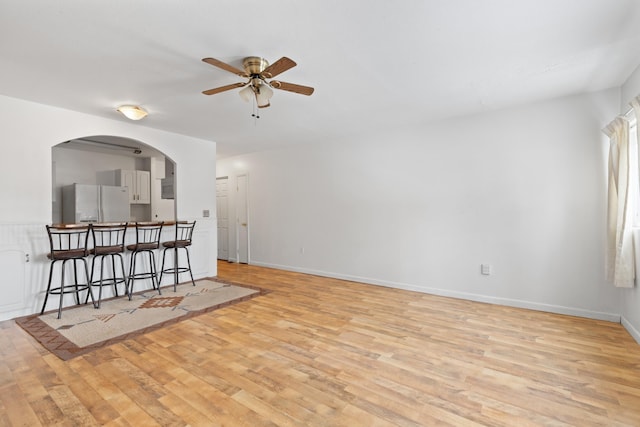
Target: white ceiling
<point>375,64</point>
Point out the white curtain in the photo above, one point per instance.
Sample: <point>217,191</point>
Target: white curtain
<point>620,251</point>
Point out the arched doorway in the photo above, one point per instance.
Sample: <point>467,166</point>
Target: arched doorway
<point>103,160</point>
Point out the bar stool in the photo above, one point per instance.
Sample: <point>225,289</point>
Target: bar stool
<point>183,234</point>
<point>108,242</point>
<point>68,243</point>
<point>147,241</point>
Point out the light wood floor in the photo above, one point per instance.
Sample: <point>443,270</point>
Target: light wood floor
<point>323,352</point>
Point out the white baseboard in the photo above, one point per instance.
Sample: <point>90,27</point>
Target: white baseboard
<point>632,331</point>
<point>550,308</point>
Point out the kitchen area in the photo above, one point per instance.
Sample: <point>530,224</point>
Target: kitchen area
<point>46,156</point>
<point>106,179</point>
<point>110,179</point>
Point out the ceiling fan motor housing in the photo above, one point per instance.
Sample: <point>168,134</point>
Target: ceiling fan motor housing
<point>254,65</point>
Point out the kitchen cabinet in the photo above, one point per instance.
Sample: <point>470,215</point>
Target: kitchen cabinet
<point>139,183</point>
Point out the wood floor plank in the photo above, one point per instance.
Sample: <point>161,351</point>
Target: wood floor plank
<point>326,352</point>
<point>17,410</point>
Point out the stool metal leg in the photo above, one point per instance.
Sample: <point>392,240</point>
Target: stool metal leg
<point>75,280</point>
<point>154,272</point>
<point>61,289</point>
<point>132,268</point>
<point>123,273</point>
<point>189,265</point>
<point>90,292</point>
<point>101,280</point>
<point>176,263</point>
<point>46,295</point>
<point>164,252</point>
<point>113,274</point>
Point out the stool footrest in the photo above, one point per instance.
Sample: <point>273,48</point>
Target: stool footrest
<point>109,281</point>
<point>174,270</point>
<point>69,289</point>
<point>142,276</point>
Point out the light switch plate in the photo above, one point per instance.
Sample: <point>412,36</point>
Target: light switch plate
<point>205,213</point>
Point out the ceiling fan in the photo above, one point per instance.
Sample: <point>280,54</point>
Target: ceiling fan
<point>257,70</point>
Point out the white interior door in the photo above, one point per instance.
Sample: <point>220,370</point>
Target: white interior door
<point>222,213</point>
<point>242,219</point>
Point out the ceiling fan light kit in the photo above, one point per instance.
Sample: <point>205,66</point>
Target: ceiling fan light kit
<point>132,112</point>
<point>246,93</point>
<point>257,71</point>
<point>263,94</point>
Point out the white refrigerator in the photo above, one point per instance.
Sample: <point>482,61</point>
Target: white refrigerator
<point>95,203</point>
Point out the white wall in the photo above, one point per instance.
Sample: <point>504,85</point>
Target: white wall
<point>29,130</point>
<point>631,297</point>
<point>422,208</point>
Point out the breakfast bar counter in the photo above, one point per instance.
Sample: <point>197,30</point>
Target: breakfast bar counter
<point>23,254</point>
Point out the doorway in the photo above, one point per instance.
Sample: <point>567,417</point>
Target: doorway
<point>242,219</point>
<point>232,211</point>
<point>222,213</point>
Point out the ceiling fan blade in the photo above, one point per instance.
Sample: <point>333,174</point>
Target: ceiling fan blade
<point>280,66</point>
<point>304,90</point>
<point>223,88</point>
<point>224,66</point>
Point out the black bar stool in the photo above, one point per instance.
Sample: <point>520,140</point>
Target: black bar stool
<point>183,235</point>
<point>68,243</point>
<point>147,241</point>
<point>108,242</point>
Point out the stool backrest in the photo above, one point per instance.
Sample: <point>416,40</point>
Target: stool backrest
<point>148,232</point>
<point>184,231</point>
<point>68,241</point>
<point>109,236</point>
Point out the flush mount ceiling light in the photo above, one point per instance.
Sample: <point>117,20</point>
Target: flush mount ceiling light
<point>257,70</point>
<point>132,112</point>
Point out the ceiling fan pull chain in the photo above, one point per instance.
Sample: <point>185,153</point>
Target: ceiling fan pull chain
<point>255,114</point>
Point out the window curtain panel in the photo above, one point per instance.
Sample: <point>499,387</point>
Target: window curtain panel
<point>620,252</point>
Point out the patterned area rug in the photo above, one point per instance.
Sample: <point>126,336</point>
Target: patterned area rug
<point>84,328</point>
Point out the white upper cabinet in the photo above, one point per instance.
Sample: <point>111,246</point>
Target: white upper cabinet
<point>139,183</point>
